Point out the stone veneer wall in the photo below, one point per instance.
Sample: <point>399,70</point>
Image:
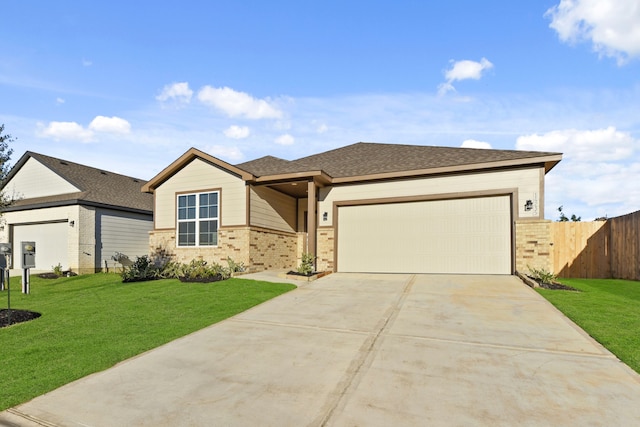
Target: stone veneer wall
<point>258,249</point>
<point>325,248</point>
<point>233,243</point>
<point>533,245</point>
<point>272,250</point>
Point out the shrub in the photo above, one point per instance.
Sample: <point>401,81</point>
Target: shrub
<point>542,275</point>
<point>143,268</point>
<point>57,270</point>
<point>306,264</point>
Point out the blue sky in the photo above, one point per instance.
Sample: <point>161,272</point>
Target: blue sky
<point>130,86</point>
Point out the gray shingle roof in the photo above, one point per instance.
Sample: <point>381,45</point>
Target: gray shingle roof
<point>365,158</point>
<point>97,186</point>
<point>267,165</point>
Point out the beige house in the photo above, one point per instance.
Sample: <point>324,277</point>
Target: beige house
<point>78,216</point>
<point>365,207</point>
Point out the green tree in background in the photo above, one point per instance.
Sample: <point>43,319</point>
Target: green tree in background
<point>564,218</point>
<point>5,157</point>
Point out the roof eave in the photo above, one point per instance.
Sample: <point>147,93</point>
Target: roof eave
<point>318,176</point>
<point>184,160</point>
<point>548,161</point>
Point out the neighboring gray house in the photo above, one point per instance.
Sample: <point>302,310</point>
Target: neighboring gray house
<point>78,216</point>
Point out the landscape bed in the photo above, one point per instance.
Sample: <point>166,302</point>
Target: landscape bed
<point>89,323</point>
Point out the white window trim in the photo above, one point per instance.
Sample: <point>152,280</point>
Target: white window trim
<point>197,219</point>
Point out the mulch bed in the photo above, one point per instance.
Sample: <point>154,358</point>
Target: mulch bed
<point>17,316</point>
<point>295,273</point>
<point>216,278</point>
<point>554,286</point>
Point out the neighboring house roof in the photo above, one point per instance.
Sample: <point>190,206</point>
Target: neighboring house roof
<point>366,161</point>
<point>97,187</point>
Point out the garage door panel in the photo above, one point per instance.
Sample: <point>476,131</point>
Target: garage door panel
<point>51,244</point>
<point>445,236</point>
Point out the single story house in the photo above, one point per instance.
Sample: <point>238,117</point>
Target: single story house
<point>366,207</point>
<point>78,216</point>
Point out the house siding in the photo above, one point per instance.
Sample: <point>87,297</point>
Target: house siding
<point>201,176</point>
<point>527,181</point>
<point>120,232</point>
<point>36,180</point>
<point>272,210</point>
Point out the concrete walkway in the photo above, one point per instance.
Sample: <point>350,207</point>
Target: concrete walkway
<point>364,350</point>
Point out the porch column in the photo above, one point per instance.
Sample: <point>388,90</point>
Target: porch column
<point>311,220</point>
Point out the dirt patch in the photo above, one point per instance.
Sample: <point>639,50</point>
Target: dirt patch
<point>17,316</point>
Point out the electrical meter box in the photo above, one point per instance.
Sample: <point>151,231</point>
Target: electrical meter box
<point>5,252</point>
<point>28,254</point>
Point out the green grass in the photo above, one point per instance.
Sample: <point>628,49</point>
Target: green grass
<point>607,309</point>
<point>91,322</point>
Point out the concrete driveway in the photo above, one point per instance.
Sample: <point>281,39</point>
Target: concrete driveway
<point>364,350</point>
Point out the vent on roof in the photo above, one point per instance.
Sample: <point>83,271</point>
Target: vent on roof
<point>64,163</point>
<point>135,180</point>
<point>103,172</point>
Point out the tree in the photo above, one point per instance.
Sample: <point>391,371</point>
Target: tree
<point>5,157</point>
<point>563,217</point>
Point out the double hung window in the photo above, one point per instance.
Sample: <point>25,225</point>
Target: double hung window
<point>198,218</point>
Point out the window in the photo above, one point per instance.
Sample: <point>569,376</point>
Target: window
<point>198,219</point>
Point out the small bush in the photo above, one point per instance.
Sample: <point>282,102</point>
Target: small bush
<point>57,270</point>
<point>306,264</point>
<point>143,268</point>
<point>542,275</point>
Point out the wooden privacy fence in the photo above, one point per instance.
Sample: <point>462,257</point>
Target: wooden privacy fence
<point>599,249</point>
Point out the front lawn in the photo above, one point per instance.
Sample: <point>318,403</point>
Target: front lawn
<point>608,310</point>
<point>89,323</point>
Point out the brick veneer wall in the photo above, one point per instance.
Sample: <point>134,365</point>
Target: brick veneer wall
<point>325,248</point>
<point>258,249</point>
<point>272,250</point>
<point>533,245</point>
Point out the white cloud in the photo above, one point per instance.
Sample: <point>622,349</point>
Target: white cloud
<point>237,132</point>
<point>322,128</point>
<point>110,125</point>
<point>599,170</point>
<point>226,153</point>
<point>463,70</point>
<point>73,131</point>
<point>472,143</point>
<point>238,104</point>
<point>584,145</point>
<point>65,130</point>
<point>612,26</point>
<point>87,63</point>
<point>179,92</point>
<point>59,101</point>
<point>285,139</point>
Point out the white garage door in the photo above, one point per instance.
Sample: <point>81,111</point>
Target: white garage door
<point>51,244</point>
<point>465,236</point>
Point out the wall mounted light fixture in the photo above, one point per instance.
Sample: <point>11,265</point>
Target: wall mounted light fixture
<point>528,205</point>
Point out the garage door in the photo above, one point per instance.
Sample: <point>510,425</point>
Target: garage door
<point>465,236</point>
<point>51,244</point>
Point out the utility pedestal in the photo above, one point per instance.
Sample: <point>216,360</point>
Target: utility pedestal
<point>28,261</point>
